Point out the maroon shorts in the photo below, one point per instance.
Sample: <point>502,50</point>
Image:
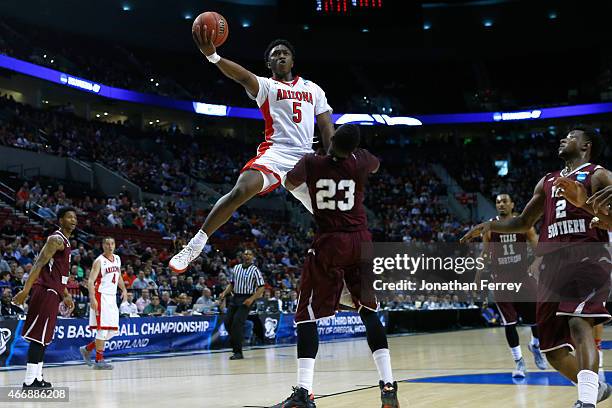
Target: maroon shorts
<point>42,314</point>
<point>510,311</point>
<point>331,265</point>
<point>573,282</point>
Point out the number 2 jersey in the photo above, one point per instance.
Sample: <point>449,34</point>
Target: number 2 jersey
<point>563,222</point>
<point>336,187</point>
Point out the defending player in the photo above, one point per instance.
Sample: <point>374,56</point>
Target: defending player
<point>508,255</point>
<point>289,105</point>
<point>336,183</point>
<point>103,313</point>
<point>574,283</point>
<point>47,282</point>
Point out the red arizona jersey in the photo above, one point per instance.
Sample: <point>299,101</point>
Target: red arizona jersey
<point>54,275</point>
<point>336,188</point>
<point>563,222</point>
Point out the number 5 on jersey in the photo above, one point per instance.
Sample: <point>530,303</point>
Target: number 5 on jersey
<point>326,191</point>
<point>297,112</point>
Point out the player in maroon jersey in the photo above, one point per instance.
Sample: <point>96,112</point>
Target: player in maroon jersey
<point>47,283</point>
<point>574,282</point>
<point>509,262</point>
<point>336,184</point>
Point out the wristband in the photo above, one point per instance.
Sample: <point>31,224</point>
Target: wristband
<point>214,58</point>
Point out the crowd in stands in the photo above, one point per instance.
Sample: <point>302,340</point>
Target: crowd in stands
<point>406,201</point>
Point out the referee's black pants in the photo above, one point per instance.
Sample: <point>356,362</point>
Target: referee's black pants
<point>234,321</point>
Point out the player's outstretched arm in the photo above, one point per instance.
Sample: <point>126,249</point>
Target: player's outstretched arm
<point>229,68</point>
<point>522,223</point>
<point>54,243</point>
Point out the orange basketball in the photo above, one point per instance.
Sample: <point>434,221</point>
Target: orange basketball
<point>213,21</point>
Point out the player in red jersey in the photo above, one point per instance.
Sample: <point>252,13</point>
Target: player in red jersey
<point>509,262</point>
<point>289,105</point>
<point>47,282</point>
<point>574,282</point>
<point>336,184</point>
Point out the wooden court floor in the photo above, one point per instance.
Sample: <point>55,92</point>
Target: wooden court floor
<point>344,376</point>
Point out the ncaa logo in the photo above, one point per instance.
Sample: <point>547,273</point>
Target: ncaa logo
<point>5,336</point>
<point>270,325</point>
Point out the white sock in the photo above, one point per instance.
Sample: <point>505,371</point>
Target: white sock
<point>382,359</point>
<point>305,373</point>
<point>588,385</point>
<point>198,241</point>
<point>31,371</point>
<point>517,354</point>
<point>600,358</point>
<point>39,371</point>
<point>535,342</point>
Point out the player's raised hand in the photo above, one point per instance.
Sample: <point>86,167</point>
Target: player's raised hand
<point>203,40</point>
<point>597,223</point>
<point>69,302</point>
<point>475,232</point>
<point>572,191</point>
<point>20,298</point>
<point>601,200</point>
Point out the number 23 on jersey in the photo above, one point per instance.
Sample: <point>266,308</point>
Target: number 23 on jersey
<point>326,194</point>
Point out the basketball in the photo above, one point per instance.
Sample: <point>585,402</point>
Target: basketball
<point>213,22</point>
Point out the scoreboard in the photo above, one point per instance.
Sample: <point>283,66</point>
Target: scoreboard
<point>346,7</point>
<point>405,13</point>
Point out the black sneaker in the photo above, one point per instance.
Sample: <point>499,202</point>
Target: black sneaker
<point>299,399</point>
<point>388,394</point>
<point>236,356</point>
<point>36,384</point>
<point>580,404</point>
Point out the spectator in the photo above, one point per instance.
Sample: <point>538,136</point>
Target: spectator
<point>73,286</point>
<point>128,277</point>
<point>22,198</point>
<point>128,307</point>
<point>183,305</point>
<point>154,308</point>
<point>140,282</point>
<point>8,308</point>
<point>143,301</point>
<point>8,232</point>
<point>166,300</point>
<point>290,305</point>
<point>206,300</point>
<point>5,281</point>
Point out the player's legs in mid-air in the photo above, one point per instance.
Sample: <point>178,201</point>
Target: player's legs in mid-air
<point>261,175</point>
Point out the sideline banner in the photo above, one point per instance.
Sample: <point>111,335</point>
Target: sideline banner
<point>136,335</point>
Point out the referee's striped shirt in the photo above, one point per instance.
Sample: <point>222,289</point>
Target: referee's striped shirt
<point>246,281</point>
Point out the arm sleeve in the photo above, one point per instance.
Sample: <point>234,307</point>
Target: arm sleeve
<point>297,175</point>
<point>264,89</point>
<point>321,105</point>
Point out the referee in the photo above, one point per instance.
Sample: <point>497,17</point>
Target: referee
<point>246,285</point>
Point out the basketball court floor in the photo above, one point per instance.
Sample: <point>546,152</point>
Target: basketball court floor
<point>458,370</point>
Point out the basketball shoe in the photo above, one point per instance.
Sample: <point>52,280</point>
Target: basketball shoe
<point>539,359</point>
<point>388,394</point>
<point>519,371</point>
<point>180,262</point>
<point>604,391</point>
<point>299,399</point>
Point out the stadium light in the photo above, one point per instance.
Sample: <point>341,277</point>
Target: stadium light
<point>553,15</point>
<point>488,23</point>
<point>127,7</point>
<point>427,26</point>
<point>365,30</point>
<point>187,16</point>
<point>306,27</point>
<point>246,24</point>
